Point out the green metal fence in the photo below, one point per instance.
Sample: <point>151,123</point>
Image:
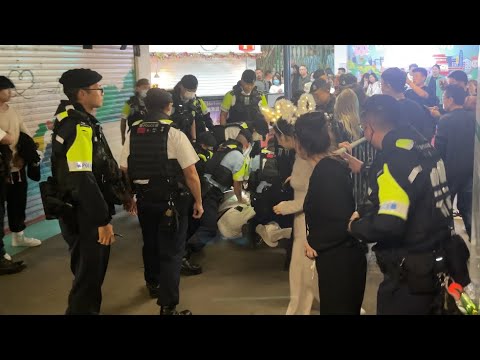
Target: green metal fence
<point>312,56</point>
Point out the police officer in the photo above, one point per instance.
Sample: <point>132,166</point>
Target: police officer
<point>204,148</point>
<point>134,108</point>
<point>226,168</point>
<point>78,174</point>
<point>242,104</point>
<point>229,131</point>
<point>161,163</point>
<point>325,101</point>
<point>410,210</point>
<point>190,113</point>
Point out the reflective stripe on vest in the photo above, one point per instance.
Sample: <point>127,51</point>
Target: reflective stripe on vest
<point>164,122</point>
<point>79,155</point>
<point>62,115</point>
<point>393,199</point>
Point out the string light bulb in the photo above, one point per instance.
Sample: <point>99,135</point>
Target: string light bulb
<point>286,110</point>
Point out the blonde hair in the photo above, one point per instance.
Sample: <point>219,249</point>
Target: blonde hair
<point>347,111</point>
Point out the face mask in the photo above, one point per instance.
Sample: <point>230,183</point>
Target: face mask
<point>276,82</point>
<point>189,95</point>
<point>143,93</point>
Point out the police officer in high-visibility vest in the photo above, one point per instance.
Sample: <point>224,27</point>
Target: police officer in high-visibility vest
<point>410,210</point>
<point>134,109</point>
<point>242,104</point>
<point>161,164</point>
<point>204,147</point>
<point>77,174</point>
<point>190,113</point>
<point>229,131</point>
<point>227,167</point>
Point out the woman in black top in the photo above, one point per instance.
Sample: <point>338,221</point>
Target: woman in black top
<point>329,204</point>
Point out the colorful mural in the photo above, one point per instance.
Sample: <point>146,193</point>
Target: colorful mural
<point>376,58</point>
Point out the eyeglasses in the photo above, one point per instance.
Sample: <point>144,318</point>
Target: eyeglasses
<point>102,91</point>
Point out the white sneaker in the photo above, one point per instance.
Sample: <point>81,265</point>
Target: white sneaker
<point>264,231</point>
<point>19,239</point>
<point>363,312</point>
<point>272,233</point>
<point>7,257</point>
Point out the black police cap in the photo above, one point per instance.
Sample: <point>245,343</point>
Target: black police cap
<point>79,78</point>
<point>189,82</point>
<point>249,76</point>
<point>6,83</point>
<point>207,138</point>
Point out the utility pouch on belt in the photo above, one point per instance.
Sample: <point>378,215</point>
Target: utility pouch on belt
<point>183,203</point>
<point>168,221</point>
<point>153,193</point>
<point>420,273</point>
<point>457,255</point>
<point>53,204</point>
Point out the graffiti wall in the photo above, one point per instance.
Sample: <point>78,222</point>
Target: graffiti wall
<point>35,71</point>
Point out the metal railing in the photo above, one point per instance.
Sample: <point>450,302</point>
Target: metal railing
<point>366,153</point>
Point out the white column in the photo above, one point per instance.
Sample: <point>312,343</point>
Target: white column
<point>340,57</point>
<point>142,63</point>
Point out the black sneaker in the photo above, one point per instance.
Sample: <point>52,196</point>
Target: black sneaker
<point>153,289</point>
<point>10,267</point>
<point>189,269</point>
<point>171,310</point>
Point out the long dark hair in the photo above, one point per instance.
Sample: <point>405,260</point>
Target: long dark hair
<point>283,127</point>
<point>312,133</point>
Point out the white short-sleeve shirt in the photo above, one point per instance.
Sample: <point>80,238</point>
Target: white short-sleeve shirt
<point>178,148</point>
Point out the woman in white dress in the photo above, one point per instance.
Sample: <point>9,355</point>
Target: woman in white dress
<point>303,274</point>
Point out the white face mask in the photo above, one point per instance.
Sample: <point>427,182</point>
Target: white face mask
<point>189,95</point>
<point>143,93</point>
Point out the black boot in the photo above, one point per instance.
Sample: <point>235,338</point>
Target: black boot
<point>153,290</point>
<point>10,267</point>
<point>171,310</point>
<point>188,268</point>
<point>249,233</point>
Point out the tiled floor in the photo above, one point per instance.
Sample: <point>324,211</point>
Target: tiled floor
<point>236,280</point>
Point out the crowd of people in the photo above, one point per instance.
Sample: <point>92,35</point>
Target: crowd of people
<point>177,165</point>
